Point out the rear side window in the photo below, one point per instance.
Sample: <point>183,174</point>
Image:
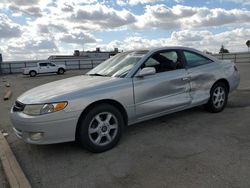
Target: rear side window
<point>194,59</point>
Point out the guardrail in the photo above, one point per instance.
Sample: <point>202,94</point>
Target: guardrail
<point>71,64</point>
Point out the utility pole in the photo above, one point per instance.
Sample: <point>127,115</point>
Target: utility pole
<point>1,60</point>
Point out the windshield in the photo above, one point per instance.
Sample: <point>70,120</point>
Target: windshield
<point>118,65</point>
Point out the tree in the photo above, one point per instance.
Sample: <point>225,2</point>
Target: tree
<point>223,50</point>
<point>248,44</point>
<point>207,52</point>
<point>76,53</point>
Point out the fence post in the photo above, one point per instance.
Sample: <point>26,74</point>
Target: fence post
<point>25,64</point>
<point>1,72</point>
<point>10,68</point>
<point>92,64</point>
<point>79,67</point>
<point>234,58</point>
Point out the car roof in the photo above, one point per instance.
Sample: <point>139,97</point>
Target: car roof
<point>152,50</point>
<point>162,48</point>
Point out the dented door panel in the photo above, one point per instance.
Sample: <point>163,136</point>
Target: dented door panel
<point>201,80</point>
<point>161,92</point>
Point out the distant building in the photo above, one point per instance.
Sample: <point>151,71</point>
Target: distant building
<point>99,54</point>
<point>96,54</point>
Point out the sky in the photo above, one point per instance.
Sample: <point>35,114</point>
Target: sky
<point>36,29</point>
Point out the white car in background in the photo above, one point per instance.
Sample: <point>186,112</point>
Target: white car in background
<point>43,68</point>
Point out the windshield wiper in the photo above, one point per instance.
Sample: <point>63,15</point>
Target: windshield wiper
<point>96,74</point>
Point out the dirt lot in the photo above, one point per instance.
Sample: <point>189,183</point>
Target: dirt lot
<point>3,180</point>
<point>192,148</point>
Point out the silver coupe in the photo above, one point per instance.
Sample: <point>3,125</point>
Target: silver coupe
<point>128,88</point>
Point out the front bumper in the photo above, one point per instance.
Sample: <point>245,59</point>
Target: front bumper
<point>54,128</point>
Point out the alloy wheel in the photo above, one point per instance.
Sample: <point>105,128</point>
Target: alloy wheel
<point>219,97</point>
<point>103,128</point>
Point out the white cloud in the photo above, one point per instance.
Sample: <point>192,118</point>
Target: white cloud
<point>135,2</point>
<point>102,16</point>
<point>51,28</point>
<point>244,2</point>
<point>8,29</point>
<point>22,2</point>
<point>179,1</point>
<point>202,40</point>
<point>65,25</point>
<point>31,8</point>
<point>27,10</point>
<point>77,37</point>
<point>179,16</point>
<point>26,48</point>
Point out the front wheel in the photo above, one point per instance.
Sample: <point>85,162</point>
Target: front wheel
<point>101,128</point>
<point>218,98</point>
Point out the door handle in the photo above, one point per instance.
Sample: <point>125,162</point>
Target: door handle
<point>185,78</point>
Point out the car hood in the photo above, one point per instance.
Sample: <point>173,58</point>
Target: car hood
<point>53,90</point>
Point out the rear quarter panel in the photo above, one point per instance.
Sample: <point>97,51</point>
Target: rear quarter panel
<point>202,79</point>
<point>230,74</point>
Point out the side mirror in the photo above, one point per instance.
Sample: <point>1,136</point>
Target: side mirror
<point>146,71</point>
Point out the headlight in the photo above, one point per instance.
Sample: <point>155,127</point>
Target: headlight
<point>39,109</point>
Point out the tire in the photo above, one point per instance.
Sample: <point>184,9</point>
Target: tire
<point>60,71</point>
<point>98,134</point>
<point>32,73</point>
<point>218,98</point>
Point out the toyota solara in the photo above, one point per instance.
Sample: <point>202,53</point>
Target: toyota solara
<point>128,88</point>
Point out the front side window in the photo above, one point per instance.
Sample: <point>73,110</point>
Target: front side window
<point>164,61</point>
<point>51,64</point>
<point>194,59</point>
<point>43,64</point>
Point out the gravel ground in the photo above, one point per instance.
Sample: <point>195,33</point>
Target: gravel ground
<point>3,181</point>
<point>192,148</point>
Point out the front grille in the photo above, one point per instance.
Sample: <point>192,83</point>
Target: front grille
<point>18,107</point>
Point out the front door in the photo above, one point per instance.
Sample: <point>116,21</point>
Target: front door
<point>43,68</point>
<point>52,67</point>
<point>164,91</point>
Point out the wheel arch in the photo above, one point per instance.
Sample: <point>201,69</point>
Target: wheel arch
<point>61,68</point>
<point>225,81</point>
<point>113,102</point>
<point>32,71</point>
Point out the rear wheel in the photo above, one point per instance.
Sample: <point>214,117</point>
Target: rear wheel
<point>101,128</point>
<point>60,71</point>
<point>218,98</point>
<point>32,73</point>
